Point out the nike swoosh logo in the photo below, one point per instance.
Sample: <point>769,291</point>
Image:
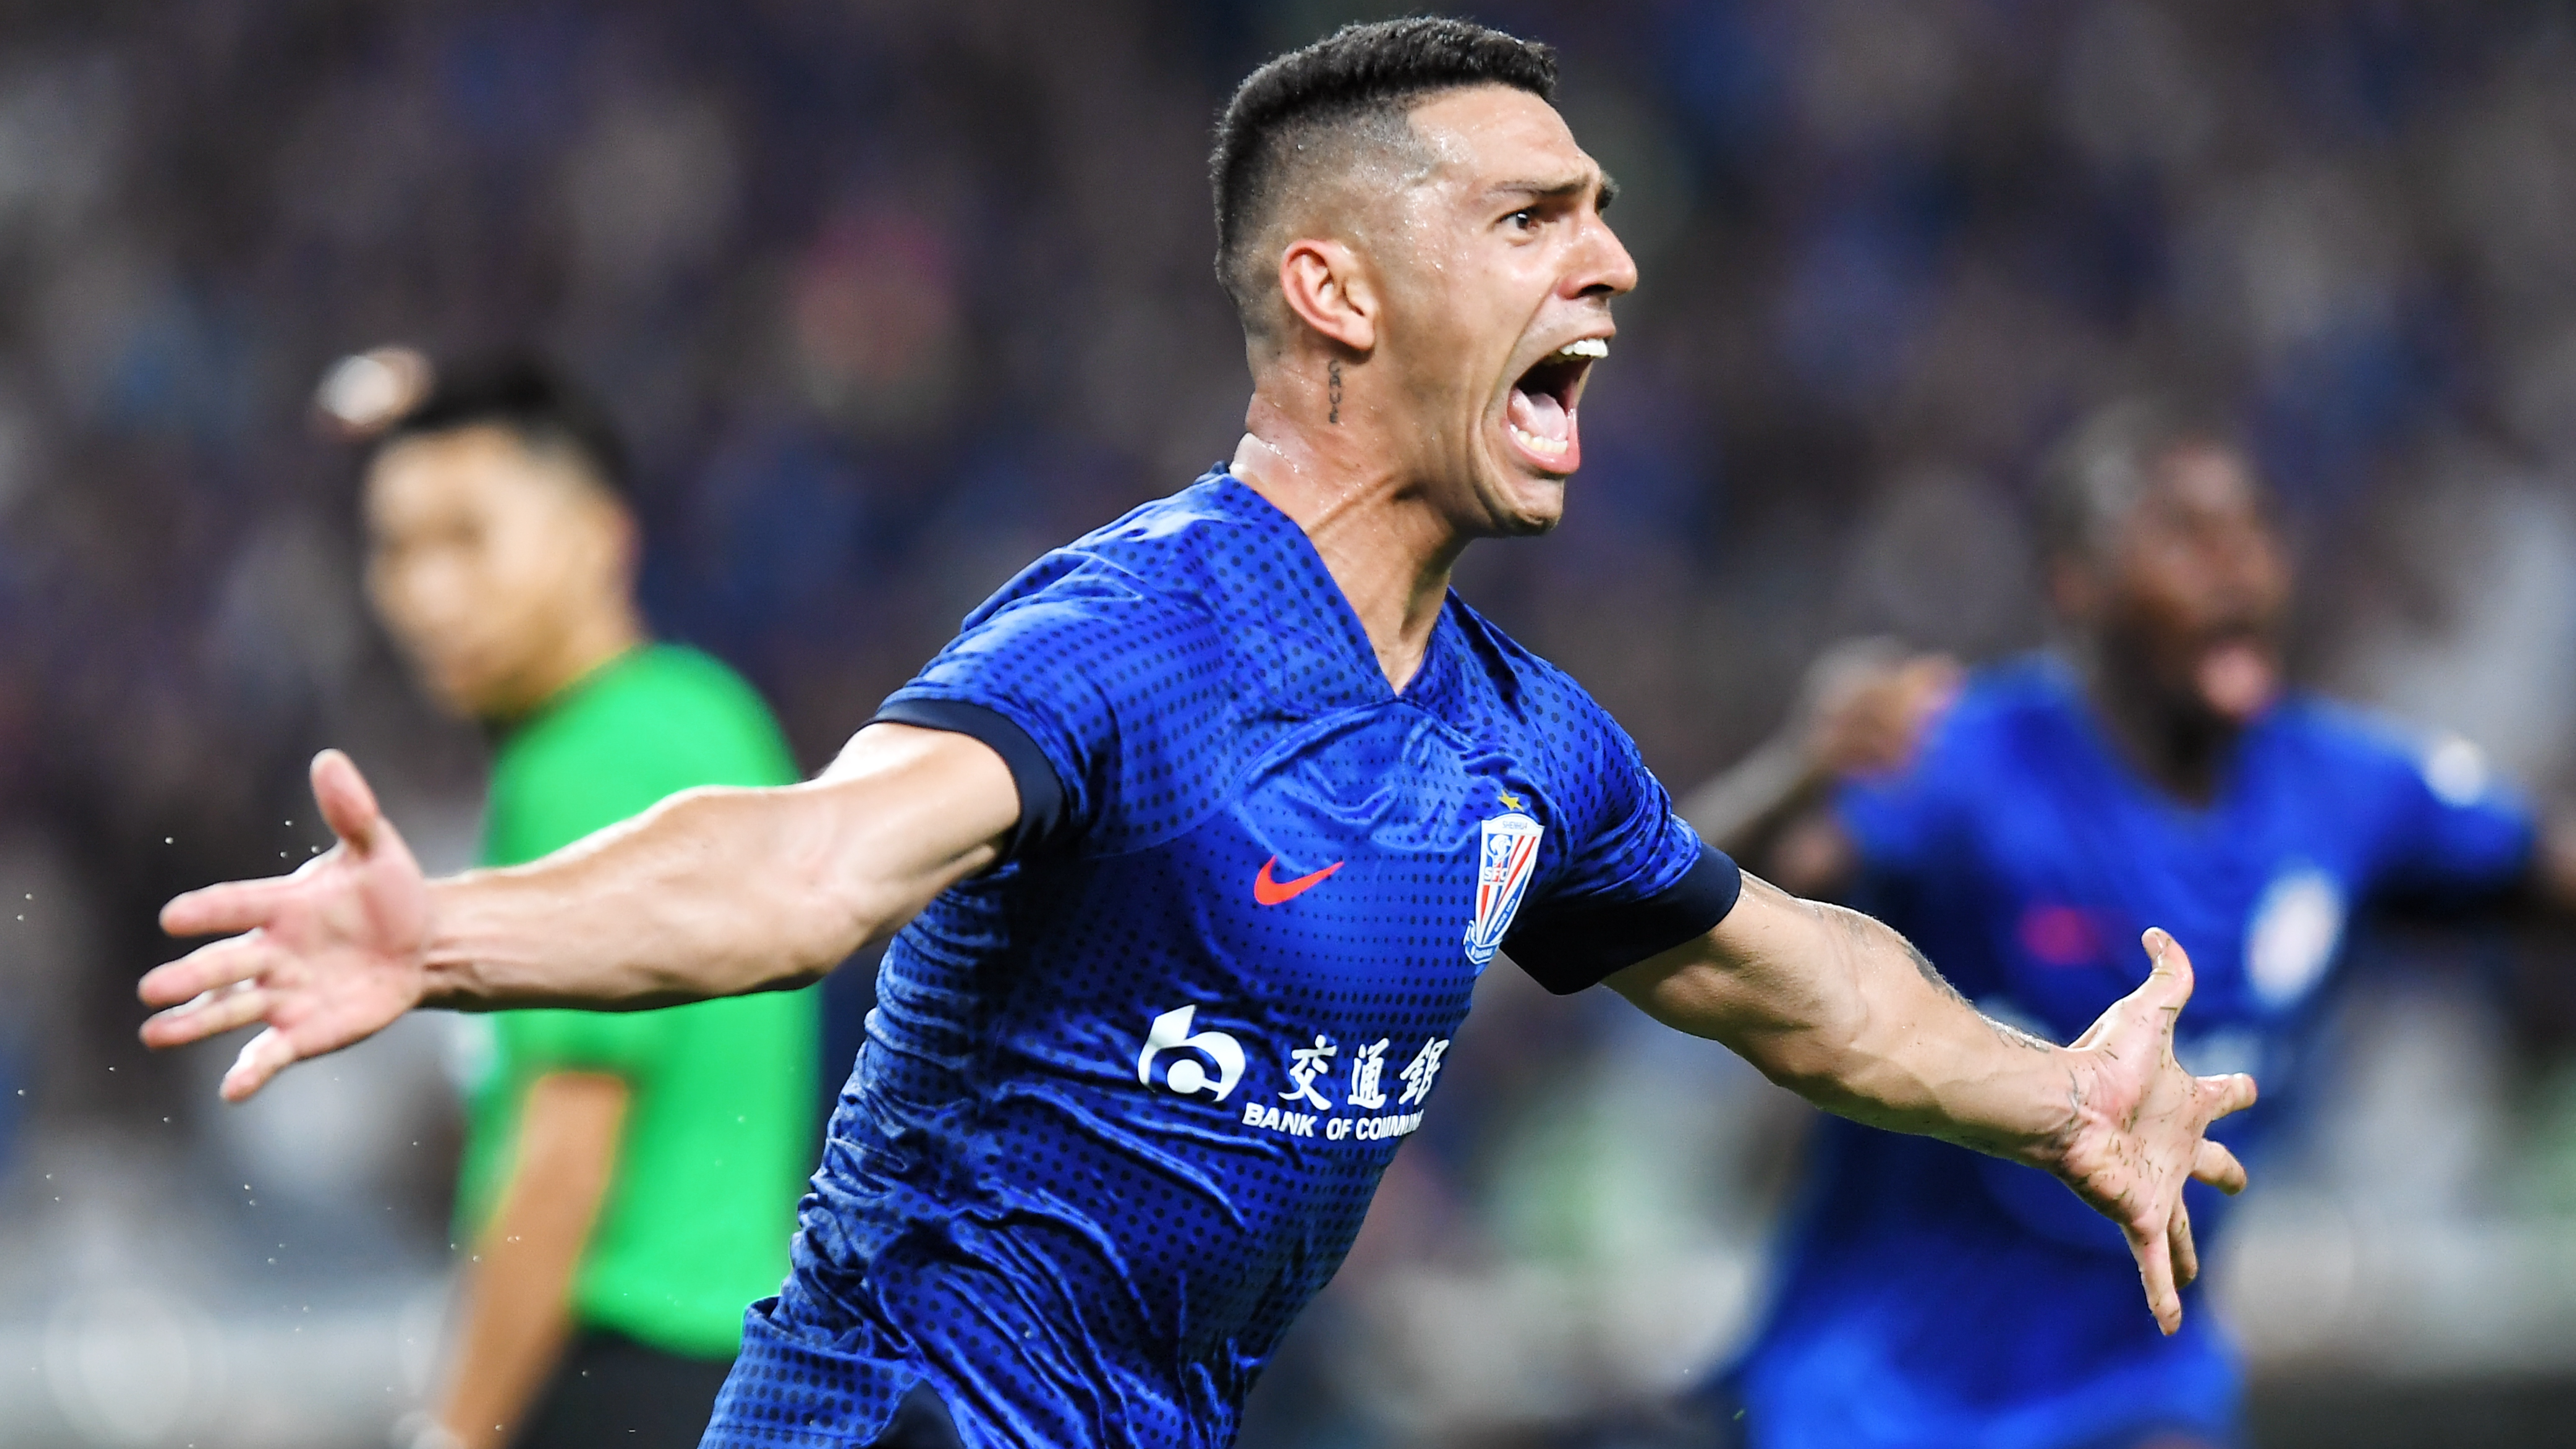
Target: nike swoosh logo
<point>1274,892</point>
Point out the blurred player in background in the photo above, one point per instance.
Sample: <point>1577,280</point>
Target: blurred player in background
<point>630,1181</point>
<point>1197,838</point>
<point>2020,830</point>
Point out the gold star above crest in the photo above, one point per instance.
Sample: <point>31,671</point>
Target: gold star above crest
<point>1512,801</point>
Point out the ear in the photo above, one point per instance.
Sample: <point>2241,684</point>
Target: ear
<point>1328,290</point>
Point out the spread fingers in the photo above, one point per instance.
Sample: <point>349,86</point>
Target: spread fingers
<point>2215,1165</point>
<point>222,909</point>
<point>2155,1271</point>
<point>263,1057</point>
<point>211,1014</point>
<point>208,968</point>
<point>2186,1253</point>
<point>2169,983</point>
<point>2234,1093</point>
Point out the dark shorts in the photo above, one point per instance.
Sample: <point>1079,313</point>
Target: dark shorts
<point>800,1385</point>
<point>613,1391</point>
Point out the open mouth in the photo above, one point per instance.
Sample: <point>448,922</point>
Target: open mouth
<point>1540,415</point>
<point>2237,676</point>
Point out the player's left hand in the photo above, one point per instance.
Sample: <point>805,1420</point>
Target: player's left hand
<point>2140,1125</point>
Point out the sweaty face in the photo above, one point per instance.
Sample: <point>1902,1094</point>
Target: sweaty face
<point>484,558</point>
<point>1498,272</point>
<point>2195,584</point>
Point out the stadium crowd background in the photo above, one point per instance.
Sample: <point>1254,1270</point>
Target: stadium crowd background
<point>891,296</point>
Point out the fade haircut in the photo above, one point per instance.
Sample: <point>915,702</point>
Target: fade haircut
<point>1321,106</point>
<point>2106,465</point>
<point>527,398</point>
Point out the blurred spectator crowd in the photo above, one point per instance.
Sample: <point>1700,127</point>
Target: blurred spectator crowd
<point>893,295</point>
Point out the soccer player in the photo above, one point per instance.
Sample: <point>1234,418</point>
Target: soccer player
<point>2156,770</point>
<point>1196,840</point>
<point>629,1181</point>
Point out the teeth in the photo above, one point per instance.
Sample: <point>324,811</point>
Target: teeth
<point>1587,347</point>
<point>1544,447</point>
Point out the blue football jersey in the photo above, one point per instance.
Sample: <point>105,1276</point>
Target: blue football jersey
<point>1125,1098</point>
<point>1933,1297</point>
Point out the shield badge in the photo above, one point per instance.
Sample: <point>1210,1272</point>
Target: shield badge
<point>1506,857</point>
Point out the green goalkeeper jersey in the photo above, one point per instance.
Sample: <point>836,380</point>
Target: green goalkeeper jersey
<point>719,1130</point>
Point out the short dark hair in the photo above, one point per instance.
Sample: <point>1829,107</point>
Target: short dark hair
<point>1360,75</point>
<point>521,393</point>
<point>2104,465</point>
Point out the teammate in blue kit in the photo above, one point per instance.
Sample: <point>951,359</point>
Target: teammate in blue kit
<point>1194,842</point>
<point>2154,772</point>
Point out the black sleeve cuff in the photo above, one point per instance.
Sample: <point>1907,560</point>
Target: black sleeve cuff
<point>1568,952</point>
<point>1042,813</point>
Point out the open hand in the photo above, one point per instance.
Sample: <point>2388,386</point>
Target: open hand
<point>325,957</point>
<point>2140,1124</point>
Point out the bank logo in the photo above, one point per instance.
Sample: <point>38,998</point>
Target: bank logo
<point>1506,857</point>
<point>1187,1074</point>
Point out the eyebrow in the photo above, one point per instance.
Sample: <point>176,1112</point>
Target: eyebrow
<point>1566,190</point>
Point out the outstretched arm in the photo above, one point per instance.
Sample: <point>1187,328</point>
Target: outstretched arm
<point>713,892</point>
<point>1841,1010</point>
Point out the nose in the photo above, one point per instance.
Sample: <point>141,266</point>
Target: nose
<point>1602,266</point>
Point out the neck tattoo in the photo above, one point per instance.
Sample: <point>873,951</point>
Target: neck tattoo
<point>1335,373</point>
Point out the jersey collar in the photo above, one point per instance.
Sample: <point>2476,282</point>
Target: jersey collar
<point>1309,602</point>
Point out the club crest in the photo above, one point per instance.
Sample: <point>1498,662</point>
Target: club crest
<point>1505,859</point>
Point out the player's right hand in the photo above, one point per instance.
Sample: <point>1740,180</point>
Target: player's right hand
<point>323,958</point>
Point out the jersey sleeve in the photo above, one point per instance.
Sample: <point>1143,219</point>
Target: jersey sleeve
<point>2454,829</point>
<point>1076,683</point>
<point>1634,880</point>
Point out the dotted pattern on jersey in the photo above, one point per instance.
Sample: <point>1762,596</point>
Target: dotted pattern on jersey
<point>1118,1119</point>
